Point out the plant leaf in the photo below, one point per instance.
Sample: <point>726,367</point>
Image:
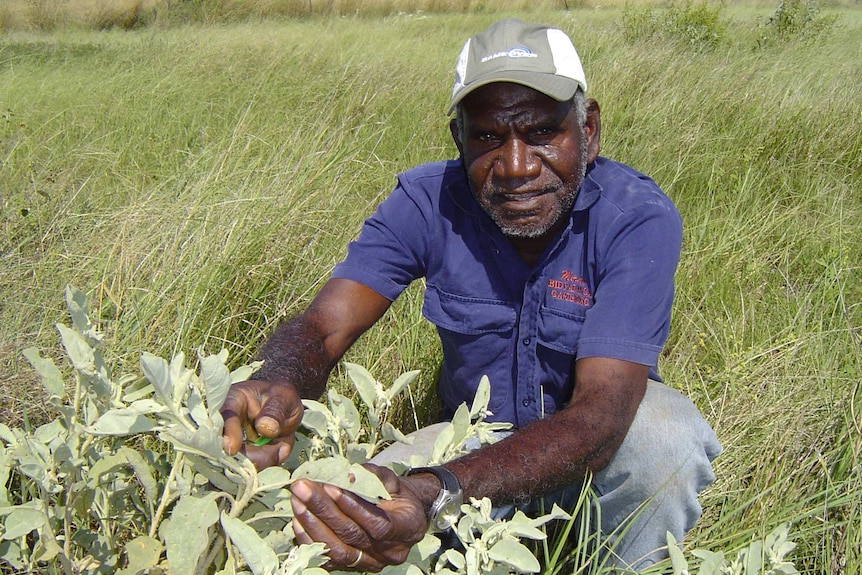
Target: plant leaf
<point>122,422</point>
<point>515,554</point>
<point>391,433</point>
<point>257,553</point>
<point>22,521</point>
<point>339,472</point>
<point>78,350</point>
<point>364,383</point>
<point>157,372</point>
<point>403,380</point>
<point>272,478</point>
<point>187,534</point>
<point>677,559</point>
<point>344,410</point>
<point>316,417</point>
<point>481,398</point>
<point>76,303</point>
<point>142,471</point>
<point>142,553</point>
<point>216,379</point>
<point>52,379</point>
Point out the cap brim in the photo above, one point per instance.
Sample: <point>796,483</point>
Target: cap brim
<point>560,88</point>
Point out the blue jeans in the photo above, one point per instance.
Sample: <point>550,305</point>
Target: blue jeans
<point>649,487</point>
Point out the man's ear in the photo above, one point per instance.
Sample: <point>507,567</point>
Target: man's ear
<point>456,135</point>
<point>593,130</point>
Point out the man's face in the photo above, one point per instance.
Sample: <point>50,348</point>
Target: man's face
<point>525,155</point>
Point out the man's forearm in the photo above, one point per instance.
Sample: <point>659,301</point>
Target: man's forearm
<point>541,458</point>
<point>294,354</point>
<point>561,450</point>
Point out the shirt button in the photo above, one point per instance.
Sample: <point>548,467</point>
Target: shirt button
<point>526,403</point>
<point>526,341</point>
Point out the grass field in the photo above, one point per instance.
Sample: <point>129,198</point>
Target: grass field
<point>200,180</point>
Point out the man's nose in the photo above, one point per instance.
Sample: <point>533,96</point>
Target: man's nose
<point>517,160</point>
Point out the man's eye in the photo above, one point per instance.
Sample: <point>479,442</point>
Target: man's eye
<point>486,137</point>
<point>542,132</point>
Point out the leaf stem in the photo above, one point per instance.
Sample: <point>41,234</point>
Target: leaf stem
<point>163,501</point>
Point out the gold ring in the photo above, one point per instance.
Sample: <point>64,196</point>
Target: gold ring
<point>358,559</point>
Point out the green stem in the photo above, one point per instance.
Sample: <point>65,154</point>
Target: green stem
<point>163,501</point>
<point>65,553</point>
<point>249,473</point>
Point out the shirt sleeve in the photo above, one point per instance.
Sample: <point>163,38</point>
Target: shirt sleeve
<point>630,316</point>
<point>391,248</point>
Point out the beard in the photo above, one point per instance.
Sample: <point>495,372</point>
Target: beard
<point>525,224</point>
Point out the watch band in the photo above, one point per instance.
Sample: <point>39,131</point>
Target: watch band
<point>447,478</point>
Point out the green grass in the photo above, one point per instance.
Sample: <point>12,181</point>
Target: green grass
<point>199,182</point>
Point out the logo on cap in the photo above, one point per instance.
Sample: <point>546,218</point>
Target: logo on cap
<point>516,52</point>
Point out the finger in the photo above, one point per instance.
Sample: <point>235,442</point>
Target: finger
<point>390,480</point>
<point>362,561</point>
<point>313,528</point>
<point>374,521</point>
<point>280,412</point>
<point>274,453</point>
<point>233,411</point>
<point>323,519</point>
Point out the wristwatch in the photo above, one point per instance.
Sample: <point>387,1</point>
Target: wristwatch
<point>446,509</point>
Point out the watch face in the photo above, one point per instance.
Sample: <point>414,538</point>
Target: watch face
<point>448,513</point>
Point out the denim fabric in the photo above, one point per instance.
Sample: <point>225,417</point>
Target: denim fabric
<point>650,486</point>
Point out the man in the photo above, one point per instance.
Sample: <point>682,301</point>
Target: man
<point>549,269</point>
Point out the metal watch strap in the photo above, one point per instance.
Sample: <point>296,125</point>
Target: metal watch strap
<point>445,510</point>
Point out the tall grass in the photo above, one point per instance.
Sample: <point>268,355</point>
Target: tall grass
<point>200,182</point>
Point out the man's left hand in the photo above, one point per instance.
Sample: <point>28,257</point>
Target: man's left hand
<point>360,536</point>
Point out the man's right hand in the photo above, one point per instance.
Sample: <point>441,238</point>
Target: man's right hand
<point>255,409</point>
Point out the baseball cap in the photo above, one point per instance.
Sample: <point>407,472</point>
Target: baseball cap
<point>510,50</point>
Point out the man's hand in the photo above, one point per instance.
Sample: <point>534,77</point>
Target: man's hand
<point>360,536</point>
<point>255,409</point>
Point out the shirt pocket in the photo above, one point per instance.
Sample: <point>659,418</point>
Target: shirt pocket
<point>559,330</point>
<point>466,314</point>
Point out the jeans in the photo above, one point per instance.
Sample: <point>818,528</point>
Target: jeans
<point>650,485</point>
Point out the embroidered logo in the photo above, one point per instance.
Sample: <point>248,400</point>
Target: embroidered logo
<point>571,288</point>
<point>515,52</point>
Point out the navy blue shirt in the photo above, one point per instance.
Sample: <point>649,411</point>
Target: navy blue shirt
<point>602,288</point>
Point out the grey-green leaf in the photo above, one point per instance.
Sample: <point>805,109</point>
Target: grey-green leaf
<point>187,534</point>
<point>350,477</point>
<point>52,379</point>
<point>22,521</point>
<point>364,382</point>
<point>403,380</point>
<point>142,553</point>
<point>515,554</point>
<point>121,422</point>
<point>78,350</point>
<point>677,559</point>
<point>481,398</point>
<point>157,372</point>
<point>257,553</point>
<point>142,471</point>
<point>217,380</point>
<point>76,303</point>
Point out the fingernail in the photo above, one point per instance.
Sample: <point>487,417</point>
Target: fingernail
<point>301,490</point>
<point>332,490</point>
<point>298,506</point>
<point>283,453</point>
<point>266,425</point>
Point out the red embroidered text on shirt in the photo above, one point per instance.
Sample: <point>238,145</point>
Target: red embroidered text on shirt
<point>570,288</point>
